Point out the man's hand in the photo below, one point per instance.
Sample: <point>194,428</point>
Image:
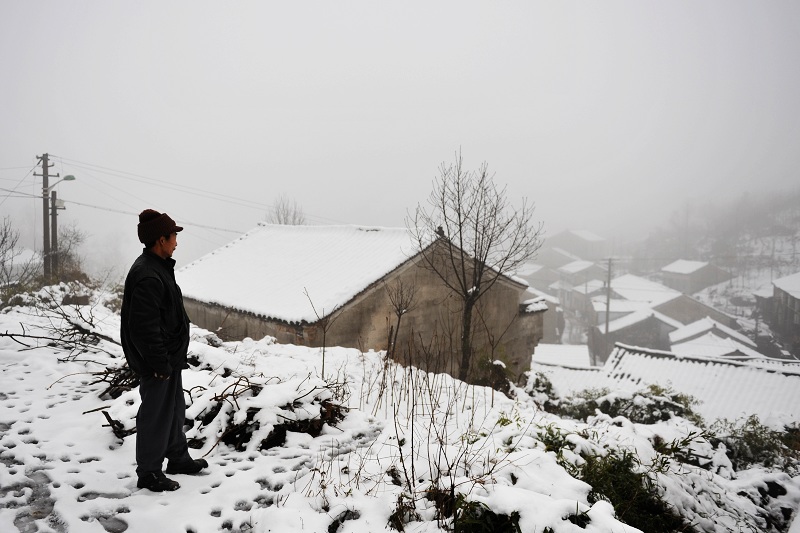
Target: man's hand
<point>161,377</point>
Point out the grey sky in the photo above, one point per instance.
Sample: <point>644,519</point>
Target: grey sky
<point>608,115</point>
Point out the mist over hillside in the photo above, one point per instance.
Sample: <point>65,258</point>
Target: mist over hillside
<point>751,234</point>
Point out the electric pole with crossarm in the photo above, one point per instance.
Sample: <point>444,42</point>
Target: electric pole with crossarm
<point>44,158</point>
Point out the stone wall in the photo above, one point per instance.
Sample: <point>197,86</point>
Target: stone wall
<point>230,324</point>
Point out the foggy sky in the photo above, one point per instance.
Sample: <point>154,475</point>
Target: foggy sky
<point>607,115</point>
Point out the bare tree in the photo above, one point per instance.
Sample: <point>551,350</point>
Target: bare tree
<point>469,235</point>
<point>70,262</point>
<point>16,270</point>
<point>325,322</point>
<point>287,212</point>
<point>401,296</point>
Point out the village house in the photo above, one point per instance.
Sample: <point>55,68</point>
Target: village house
<point>581,244</point>
<point>578,298</point>
<point>686,309</point>
<point>704,326</point>
<point>709,338</point>
<point>538,276</point>
<point>644,313</point>
<point>646,328</point>
<point>353,286</point>
<point>579,281</point>
<point>580,272</point>
<point>615,308</point>
<point>670,302</point>
<point>553,320</point>
<point>763,300</point>
<point>690,277</point>
<point>785,319</point>
<point>712,346</point>
<point>554,257</point>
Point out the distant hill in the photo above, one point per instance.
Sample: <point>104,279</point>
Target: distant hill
<point>754,233</point>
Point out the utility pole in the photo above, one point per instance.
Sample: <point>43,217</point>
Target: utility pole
<point>54,236</point>
<point>44,158</point>
<point>608,305</point>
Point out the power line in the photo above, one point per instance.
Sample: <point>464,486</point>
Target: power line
<point>120,211</point>
<point>166,184</point>
<point>194,224</point>
<point>175,187</point>
<point>102,183</point>
<point>138,178</point>
<point>14,190</point>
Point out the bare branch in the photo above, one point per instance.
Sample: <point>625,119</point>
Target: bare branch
<point>470,236</point>
<point>286,211</point>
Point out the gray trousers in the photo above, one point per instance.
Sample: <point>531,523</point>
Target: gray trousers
<point>159,423</point>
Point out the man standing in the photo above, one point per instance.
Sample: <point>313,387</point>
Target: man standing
<point>155,340</point>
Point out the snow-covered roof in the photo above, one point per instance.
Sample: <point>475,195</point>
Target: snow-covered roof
<point>684,266</point>
<point>535,305</point>
<point>726,389</point>
<point>543,295</point>
<point>710,345</point>
<point>639,316</point>
<point>526,269</point>
<point>575,266</point>
<point>586,235</point>
<point>268,270</point>
<point>639,289</point>
<point>615,305</point>
<point>589,287</point>
<point>704,325</point>
<point>765,291</point>
<point>570,355</point>
<point>789,284</point>
<point>565,253</point>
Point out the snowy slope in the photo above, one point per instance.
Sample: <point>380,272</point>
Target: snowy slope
<point>402,434</point>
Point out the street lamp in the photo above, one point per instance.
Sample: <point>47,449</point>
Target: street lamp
<point>55,205</point>
<point>68,177</point>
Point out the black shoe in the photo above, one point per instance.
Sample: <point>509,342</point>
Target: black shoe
<point>190,467</point>
<point>157,482</point>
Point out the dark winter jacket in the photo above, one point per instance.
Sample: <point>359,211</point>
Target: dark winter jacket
<point>155,328</point>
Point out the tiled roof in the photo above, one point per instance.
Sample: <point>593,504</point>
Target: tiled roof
<point>711,345</point>
<point>704,325</point>
<point>726,389</point>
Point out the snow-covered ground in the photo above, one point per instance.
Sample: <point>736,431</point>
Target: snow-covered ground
<point>399,437</point>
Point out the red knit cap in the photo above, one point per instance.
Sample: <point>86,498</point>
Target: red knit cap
<point>153,225</point>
